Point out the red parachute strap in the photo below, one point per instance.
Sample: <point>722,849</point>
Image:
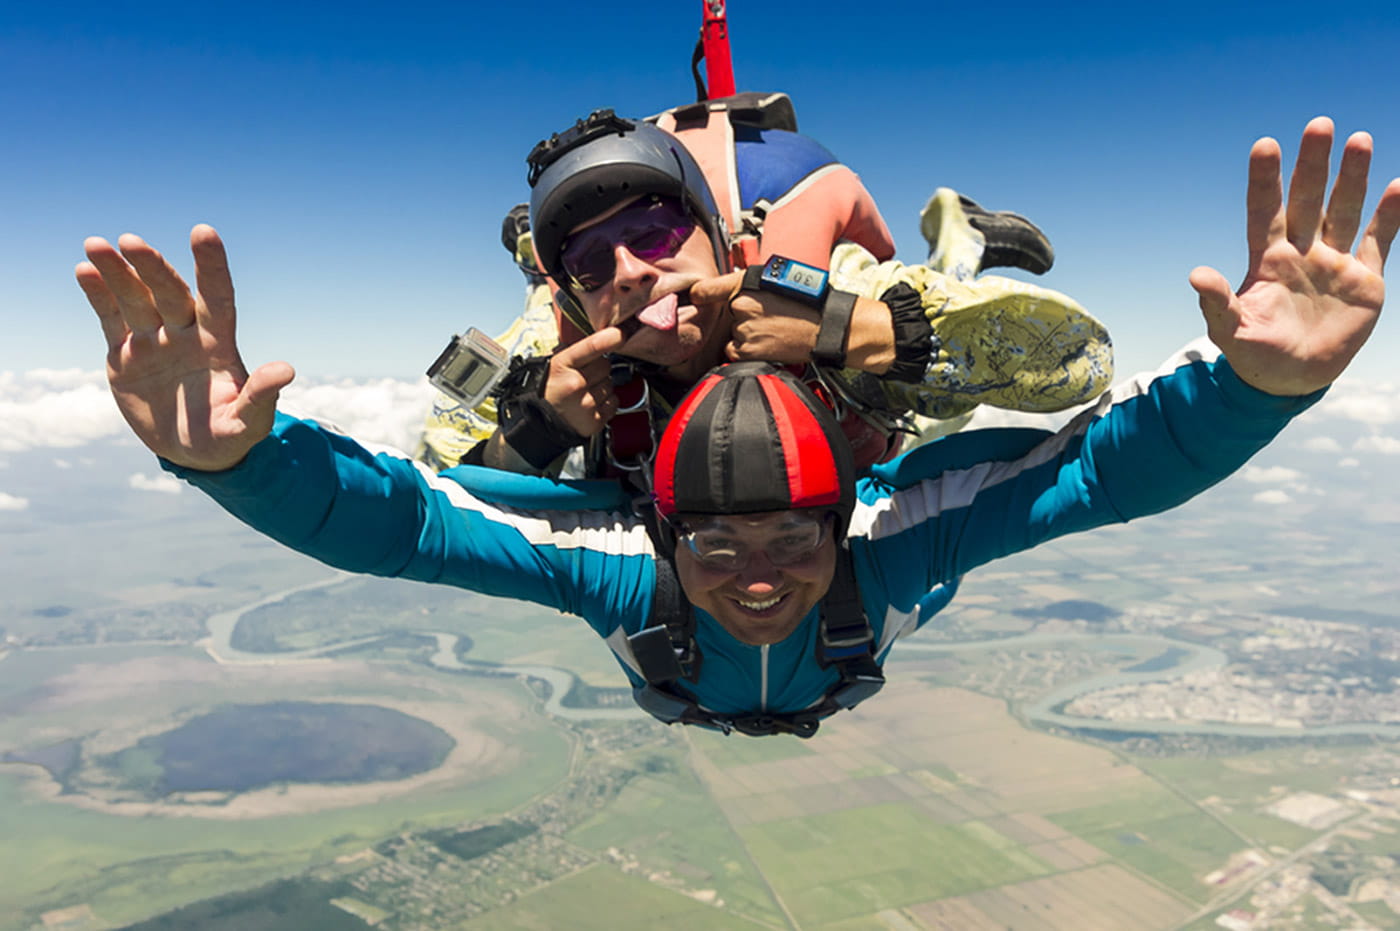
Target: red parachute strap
<point>714,39</point>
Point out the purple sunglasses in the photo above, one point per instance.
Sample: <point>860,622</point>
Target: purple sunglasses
<point>653,228</point>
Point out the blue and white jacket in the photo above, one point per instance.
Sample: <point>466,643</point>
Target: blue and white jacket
<point>923,519</point>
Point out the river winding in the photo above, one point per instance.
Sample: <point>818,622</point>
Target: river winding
<point>561,681</point>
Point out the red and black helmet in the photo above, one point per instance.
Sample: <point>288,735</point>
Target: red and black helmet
<point>748,438</point>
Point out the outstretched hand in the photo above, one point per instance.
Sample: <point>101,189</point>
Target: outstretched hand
<point>172,360</point>
<point>1307,303</point>
<point>579,386</point>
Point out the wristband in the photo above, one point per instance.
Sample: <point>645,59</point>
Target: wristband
<point>913,334</point>
<point>476,455</point>
<point>529,425</point>
<point>809,285</point>
<point>830,348</point>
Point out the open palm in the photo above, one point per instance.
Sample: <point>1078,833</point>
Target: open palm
<point>1307,303</point>
<point>172,358</point>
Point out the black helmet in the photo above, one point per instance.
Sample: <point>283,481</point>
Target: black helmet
<point>750,437</point>
<point>601,161</point>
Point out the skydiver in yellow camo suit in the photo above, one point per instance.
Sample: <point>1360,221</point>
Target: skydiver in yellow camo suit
<point>994,340</point>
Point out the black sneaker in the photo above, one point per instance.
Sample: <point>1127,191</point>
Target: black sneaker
<point>1012,240</point>
<point>965,240</point>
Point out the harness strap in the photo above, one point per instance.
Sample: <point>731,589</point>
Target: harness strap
<point>665,647</point>
<point>845,633</point>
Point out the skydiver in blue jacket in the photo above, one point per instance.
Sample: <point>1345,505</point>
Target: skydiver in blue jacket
<point>765,588</point>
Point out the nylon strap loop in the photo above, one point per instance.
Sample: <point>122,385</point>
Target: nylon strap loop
<point>830,350</point>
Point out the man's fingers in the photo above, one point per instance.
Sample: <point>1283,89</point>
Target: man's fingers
<point>579,372</point>
<point>1348,194</point>
<point>173,301</point>
<point>1264,197</point>
<point>260,391</point>
<point>594,346</point>
<point>605,399</point>
<point>1309,183</point>
<point>720,290</point>
<point>133,298</point>
<point>1380,233</point>
<point>103,303</point>
<point>211,275</point>
<point>1213,290</point>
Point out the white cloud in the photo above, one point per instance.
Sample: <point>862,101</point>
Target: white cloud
<point>1272,475</point>
<point>166,484</point>
<point>49,408</point>
<point>1360,401</point>
<point>1288,481</point>
<point>383,410</point>
<point>13,503</point>
<point>1378,444</point>
<point>1322,444</point>
<point>57,379</point>
<point>1348,463</point>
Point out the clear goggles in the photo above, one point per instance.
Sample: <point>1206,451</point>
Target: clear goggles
<point>726,544</point>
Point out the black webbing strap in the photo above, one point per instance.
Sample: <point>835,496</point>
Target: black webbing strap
<point>665,648</point>
<point>655,654</point>
<point>830,349</point>
<point>845,633</point>
<point>832,333</point>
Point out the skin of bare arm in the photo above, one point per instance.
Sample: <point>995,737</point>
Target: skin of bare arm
<point>772,328</point>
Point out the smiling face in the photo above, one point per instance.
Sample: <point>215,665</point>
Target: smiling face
<point>759,602</point>
<point>683,338</point>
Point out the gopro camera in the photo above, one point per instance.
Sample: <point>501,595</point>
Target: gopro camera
<point>470,367</point>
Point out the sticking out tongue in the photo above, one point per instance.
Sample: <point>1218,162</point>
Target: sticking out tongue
<point>660,315</point>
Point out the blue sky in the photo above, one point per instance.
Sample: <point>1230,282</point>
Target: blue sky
<point>358,158</point>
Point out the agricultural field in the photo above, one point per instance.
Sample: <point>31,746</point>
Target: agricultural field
<point>931,803</point>
<point>931,806</point>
